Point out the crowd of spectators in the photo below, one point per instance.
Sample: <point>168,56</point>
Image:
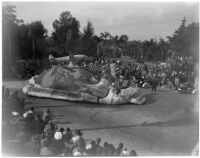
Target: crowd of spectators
<point>33,133</point>
<point>181,73</point>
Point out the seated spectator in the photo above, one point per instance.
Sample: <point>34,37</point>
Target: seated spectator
<point>76,137</point>
<point>105,149</point>
<point>67,135</point>
<point>49,129</point>
<point>57,144</point>
<point>61,130</point>
<point>99,148</point>
<point>16,121</point>
<point>133,153</point>
<point>81,143</point>
<point>45,147</point>
<point>29,115</point>
<point>111,150</point>
<point>119,149</point>
<point>33,146</point>
<point>91,149</point>
<point>6,93</point>
<point>14,102</point>
<point>125,152</point>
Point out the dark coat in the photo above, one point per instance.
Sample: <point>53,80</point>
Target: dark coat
<point>33,147</point>
<point>57,147</point>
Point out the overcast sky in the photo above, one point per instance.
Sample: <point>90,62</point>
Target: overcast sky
<point>138,20</point>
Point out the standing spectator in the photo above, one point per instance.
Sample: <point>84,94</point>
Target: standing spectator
<point>39,124</point>
<point>154,84</point>
<point>46,116</point>
<point>176,82</point>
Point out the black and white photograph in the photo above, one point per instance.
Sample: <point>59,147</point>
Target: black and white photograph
<point>100,78</point>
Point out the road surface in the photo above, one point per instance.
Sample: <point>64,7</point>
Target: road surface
<point>166,125</point>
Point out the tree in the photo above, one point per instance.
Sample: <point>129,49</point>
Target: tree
<point>185,40</point>
<point>66,32</point>
<point>9,30</point>
<point>88,31</point>
<point>163,47</point>
<point>37,32</point>
<point>89,43</point>
<point>24,42</point>
<point>105,36</point>
<point>106,45</point>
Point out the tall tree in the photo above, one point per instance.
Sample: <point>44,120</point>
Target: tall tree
<point>163,47</point>
<point>88,31</point>
<point>9,29</point>
<point>37,32</point>
<point>89,43</point>
<point>185,40</point>
<point>66,32</point>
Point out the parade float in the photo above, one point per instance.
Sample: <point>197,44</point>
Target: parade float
<point>74,83</point>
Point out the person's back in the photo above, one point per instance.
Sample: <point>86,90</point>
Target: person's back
<point>67,135</point>
<point>45,146</point>
<point>133,153</point>
<point>33,146</point>
<point>46,116</point>
<point>57,147</point>
<point>39,125</point>
<point>119,149</point>
<point>46,151</point>
<point>81,144</point>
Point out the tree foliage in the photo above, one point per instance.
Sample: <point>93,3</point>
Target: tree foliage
<point>89,41</point>
<point>31,42</point>
<point>185,40</point>
<point>66,32</point>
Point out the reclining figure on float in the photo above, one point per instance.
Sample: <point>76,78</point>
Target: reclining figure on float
<point>74,83</point>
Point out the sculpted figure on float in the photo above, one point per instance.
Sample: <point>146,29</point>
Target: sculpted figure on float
<point>76,83</point>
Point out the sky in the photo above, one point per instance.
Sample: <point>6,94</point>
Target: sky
<point>138,20</point>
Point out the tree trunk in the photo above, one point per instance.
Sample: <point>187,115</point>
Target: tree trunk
<point>33,49</point>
